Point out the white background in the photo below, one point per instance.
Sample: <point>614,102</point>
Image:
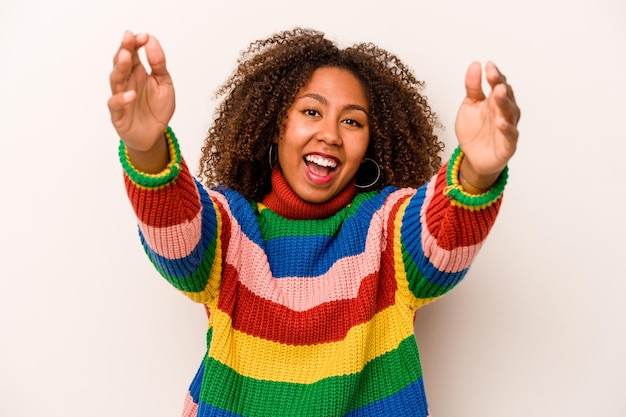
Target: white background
<point>538,328</point>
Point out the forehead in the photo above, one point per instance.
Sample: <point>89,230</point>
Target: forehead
<point>336,85</point>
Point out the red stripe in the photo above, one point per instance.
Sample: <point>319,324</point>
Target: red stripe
<point>167,206</point>
<point>327,322</point>
<point>455,226</point>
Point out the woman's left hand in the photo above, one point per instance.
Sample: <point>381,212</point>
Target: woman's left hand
<point>486,126</point>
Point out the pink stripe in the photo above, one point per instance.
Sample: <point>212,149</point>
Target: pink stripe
<point>190,409</point>
<point>173,242</point>
<point>454,260</point>
<point>303,293</point>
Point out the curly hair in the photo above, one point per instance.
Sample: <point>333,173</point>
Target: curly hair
<point>269,75</point>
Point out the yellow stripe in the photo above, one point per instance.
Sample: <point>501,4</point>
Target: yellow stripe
<point>144,188</point>
<point>404,296</point>
<point>215,277</point>
<point>263,359</point>
<point>473,208</point>
<point>164,173</point>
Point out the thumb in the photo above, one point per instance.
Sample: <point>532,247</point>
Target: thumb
<point>156,57</point>
<point>473,82</point>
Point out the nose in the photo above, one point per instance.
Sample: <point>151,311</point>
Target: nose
<point>329,132</point>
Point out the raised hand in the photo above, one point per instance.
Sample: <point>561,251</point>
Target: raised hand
<point>142,103</point>
<point>486,126</point>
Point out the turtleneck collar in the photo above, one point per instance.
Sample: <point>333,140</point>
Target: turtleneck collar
<point>283,201</point>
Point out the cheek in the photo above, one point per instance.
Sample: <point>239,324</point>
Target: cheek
<point>294,135</point>
<point>288,151</point>
<point>359,149</point>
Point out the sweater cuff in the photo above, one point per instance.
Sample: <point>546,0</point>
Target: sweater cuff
<point>455,192</point>
<point>169,173</point>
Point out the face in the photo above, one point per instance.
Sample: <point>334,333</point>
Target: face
<point>326,135</point>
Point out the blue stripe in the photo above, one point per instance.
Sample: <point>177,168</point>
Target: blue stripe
<point>408,402</point>
<point>245,214</point>
<point>411,231</point>
<point>196,384</point>
<point>322,251</point>
<point>309,256</point>
<point>205,410</point>
<point>183,268</point>
<point>314,255</point>
<point>440,278</point>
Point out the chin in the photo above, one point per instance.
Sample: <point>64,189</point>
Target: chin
<point>316,197</point>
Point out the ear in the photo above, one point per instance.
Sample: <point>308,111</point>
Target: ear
<point>273,154</point>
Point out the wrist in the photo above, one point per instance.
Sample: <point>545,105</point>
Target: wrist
<point>459,196</point>
<point>152,160</point>
<point>139,173</point>
<point>473,182</point>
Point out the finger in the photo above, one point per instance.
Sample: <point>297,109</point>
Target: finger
<point>118,103</point>
<point>511,96</point>
<point>156,57</point>
<point>509,92</point>
<point>473,82</point>
<point>127,63</point>
<point>121,71</point>
<point>131,43</point>
<point>123,63</point>
<point>128,44</point>
<point>510,133</point>
<point>506,105</point>
<point>140,41</point>
<point>493,75</point>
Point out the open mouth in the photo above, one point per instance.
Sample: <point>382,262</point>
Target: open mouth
<point>319,165</point>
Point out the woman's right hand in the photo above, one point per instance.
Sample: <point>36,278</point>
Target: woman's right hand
<point>142,104</point>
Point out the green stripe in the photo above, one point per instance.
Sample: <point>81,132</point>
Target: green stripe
<point>170,172</point>
<point>471,200</point>
<point>382,377</point>
<point>418,284</point>
<point>282,227</point>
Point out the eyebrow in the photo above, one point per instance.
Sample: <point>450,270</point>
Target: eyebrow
<point>324,101</point>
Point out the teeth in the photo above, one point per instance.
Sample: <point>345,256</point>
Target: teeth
<point>323,162</point>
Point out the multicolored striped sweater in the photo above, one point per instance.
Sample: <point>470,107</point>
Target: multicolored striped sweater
<point>309,317</point>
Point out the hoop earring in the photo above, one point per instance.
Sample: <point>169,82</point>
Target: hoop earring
<point>375,179</point>
<point>273,159</point>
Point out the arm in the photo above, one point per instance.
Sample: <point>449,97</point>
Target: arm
<point>446,222</point>
<point>177,220</point>
<point>142,104</point>
<point>486,128</point>
<point>442,230</point>
<point>178,223</point>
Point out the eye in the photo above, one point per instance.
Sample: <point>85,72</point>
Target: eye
<point>352,122</point>
<point>311,112</point>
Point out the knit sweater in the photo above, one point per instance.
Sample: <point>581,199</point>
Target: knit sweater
<point>311,307</point>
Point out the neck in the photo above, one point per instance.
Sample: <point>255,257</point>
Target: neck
<point>283,201</point>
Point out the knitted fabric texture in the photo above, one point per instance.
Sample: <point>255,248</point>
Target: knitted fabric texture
<point>285,202</point>
<point>309,317</point>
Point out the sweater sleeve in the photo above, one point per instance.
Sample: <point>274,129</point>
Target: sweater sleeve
<point>442,230</point>
<point>178,224</point>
